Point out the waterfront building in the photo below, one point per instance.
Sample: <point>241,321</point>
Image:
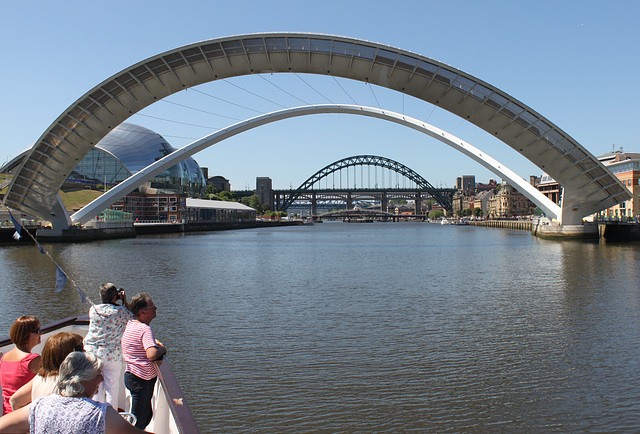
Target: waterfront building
<point>122,153</point>
<point>491,185</point>
<point>466,183</point>
<point>481,200</point>
<point>457,202</point>
<point>202,211</point>
<point>626,166</point>
<point>220,183</point>
<point>128,149</point>
<point>146,207</point>
<point>549,187</point>
<point>470,198</point>
<point>508,202</point>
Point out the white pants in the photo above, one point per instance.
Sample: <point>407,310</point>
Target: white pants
<point>109,389</point>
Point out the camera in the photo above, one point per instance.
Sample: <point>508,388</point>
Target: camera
<point>120,294</point>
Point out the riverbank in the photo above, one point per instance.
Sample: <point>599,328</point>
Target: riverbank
<point>74,235</point>
<point>607,230</point>
<point>521,225</point>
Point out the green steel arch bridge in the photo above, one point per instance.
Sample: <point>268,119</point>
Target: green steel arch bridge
<point>311,190</point>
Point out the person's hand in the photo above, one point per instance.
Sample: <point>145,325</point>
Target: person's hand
<point>161,345</point>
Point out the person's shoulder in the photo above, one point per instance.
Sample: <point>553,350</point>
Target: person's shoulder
<point>31,356</point>
<point>135,326</point>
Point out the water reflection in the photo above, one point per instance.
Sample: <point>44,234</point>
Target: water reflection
<point>372,327</point>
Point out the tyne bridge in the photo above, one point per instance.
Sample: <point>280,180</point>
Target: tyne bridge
<point>362,178</point>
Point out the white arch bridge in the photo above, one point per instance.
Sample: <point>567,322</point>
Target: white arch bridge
<point>588,185</point>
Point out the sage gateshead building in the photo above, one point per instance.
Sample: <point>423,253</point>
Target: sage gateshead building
<point>128,149</point>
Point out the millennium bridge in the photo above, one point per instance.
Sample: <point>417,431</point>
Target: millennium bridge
<point>588,185</point>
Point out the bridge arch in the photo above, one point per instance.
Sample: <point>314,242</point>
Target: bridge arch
<point>86,213</point>
<point>589,186</point>
<point>371,160</point>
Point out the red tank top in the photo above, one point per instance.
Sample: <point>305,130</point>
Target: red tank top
<point>14,375</point>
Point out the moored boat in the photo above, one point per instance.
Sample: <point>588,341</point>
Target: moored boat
<point>171,415</point>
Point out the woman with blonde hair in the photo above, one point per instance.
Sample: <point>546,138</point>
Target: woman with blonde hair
<point>54,352</point>
<point>19,365</point>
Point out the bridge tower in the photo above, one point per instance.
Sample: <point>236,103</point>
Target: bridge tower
<point>264,190</point>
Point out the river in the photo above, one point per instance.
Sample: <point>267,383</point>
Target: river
<point>371,327</point>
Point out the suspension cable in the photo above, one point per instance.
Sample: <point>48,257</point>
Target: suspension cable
<point>178,122</point>
<point>314,89</point>
<point>374,95</point>
<point>288,93</point>
<point>338,83</point>
<point>199,110</point>
<point>255,94</point>
<point>224,100</point>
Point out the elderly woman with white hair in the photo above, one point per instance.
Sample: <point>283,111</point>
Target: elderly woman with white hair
<point>71,409</point>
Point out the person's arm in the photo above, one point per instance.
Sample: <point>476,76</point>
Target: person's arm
<point>123,297</point>
<point>22,396</point>
<point>16,422</point>
<point>114,423</point>
<point>35,364</point>
<point>157,352</point>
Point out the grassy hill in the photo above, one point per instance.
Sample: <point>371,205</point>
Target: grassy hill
<point>74,200</point>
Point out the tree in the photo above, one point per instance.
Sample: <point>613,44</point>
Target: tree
<point>254,202</point>
<point>436,214</point>
<point>477,212</point>
<point>226,196</point>
<point>211,190</point>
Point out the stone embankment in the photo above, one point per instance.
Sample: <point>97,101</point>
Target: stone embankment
<point>521,225</point>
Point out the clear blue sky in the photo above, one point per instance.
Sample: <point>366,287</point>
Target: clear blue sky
<point>575,62</point>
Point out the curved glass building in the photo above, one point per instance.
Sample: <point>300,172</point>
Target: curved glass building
<point>128,149</point>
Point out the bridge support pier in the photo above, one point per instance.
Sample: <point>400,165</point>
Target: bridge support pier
<point>314,204</point>
<point>556,231</point>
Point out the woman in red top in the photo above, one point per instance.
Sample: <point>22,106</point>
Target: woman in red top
<point>19,365</point>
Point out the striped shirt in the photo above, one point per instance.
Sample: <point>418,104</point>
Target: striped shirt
<point>136,339</point>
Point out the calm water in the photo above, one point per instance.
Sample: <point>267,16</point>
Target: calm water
<point>373,327</point>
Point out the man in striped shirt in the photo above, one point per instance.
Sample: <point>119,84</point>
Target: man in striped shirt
<point>141,352</point>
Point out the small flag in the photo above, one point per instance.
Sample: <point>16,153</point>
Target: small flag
<point>42,250</point>
<point>18,226</point>
<point>83,297</point>
<point>61,279</point>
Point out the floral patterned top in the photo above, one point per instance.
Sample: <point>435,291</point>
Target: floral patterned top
<point>55,414</point>
<point>107,323</point>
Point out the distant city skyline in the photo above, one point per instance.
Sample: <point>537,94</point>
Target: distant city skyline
<point>570,61</point>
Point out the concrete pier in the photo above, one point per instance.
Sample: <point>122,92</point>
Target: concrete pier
<point>586,231</point>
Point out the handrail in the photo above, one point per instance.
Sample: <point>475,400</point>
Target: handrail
<point>177,404</point>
